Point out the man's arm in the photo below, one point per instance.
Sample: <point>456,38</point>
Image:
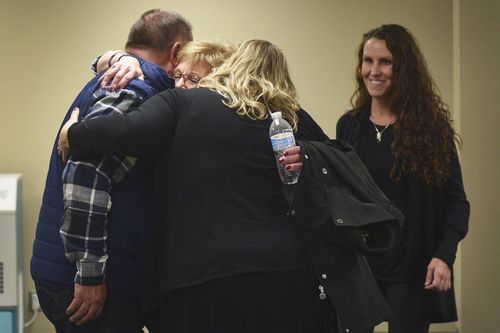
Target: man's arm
<point>87,185</point>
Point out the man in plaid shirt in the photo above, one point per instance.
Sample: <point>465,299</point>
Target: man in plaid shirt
<point>104,294</point>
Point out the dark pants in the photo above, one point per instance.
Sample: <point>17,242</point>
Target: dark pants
<point>118,315</point>
<point>407,315</point>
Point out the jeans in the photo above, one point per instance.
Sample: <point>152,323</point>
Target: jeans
<point>118,315</point>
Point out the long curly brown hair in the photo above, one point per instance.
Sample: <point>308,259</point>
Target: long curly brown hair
<point>424,140</point>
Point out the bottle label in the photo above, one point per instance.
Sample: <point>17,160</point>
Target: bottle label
<point>282,141</point>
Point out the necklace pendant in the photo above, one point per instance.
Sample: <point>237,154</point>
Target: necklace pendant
<point>379,133</point>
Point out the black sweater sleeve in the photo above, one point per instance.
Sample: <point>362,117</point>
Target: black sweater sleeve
<point>308,129</point>
<point>141,132</point>
<point>456,214</point>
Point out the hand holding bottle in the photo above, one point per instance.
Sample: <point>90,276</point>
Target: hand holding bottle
<point>281,134</point>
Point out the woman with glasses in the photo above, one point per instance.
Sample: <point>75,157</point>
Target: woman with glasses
<point>197,59</point>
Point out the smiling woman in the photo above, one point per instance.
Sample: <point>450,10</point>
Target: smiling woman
<point>377,69</point>
<point>402,131</point>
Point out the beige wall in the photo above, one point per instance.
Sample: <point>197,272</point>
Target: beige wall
<point>480,118</point>
<point>47,46</point>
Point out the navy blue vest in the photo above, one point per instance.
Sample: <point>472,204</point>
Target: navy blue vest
<point>129,218</point>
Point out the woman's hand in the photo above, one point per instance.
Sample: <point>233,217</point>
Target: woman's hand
<point>122,72</point>
<point>63,143</point>
<point>292,159</point>
<point>438,276</point>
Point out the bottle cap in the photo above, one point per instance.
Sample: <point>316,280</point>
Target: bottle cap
<point>276,115</point>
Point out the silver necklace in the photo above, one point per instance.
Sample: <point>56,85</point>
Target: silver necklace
<point>379,133</point>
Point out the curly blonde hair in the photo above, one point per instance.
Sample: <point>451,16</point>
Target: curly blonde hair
<point>255,81</point>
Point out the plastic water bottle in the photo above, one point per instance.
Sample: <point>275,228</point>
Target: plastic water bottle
<point>281,134</point>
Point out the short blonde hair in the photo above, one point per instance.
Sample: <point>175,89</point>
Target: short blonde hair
<point>211,53</point>
<point>255,81</point>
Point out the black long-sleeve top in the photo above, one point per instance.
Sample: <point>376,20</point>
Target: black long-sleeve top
<point>436,218</point>
<point>222,211</point>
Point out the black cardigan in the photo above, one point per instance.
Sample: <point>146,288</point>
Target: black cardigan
<point>438,220</point>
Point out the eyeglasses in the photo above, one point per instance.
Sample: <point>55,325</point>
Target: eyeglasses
<point>190,79</point>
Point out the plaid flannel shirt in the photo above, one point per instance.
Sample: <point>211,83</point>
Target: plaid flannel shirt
<point>87,201</point>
